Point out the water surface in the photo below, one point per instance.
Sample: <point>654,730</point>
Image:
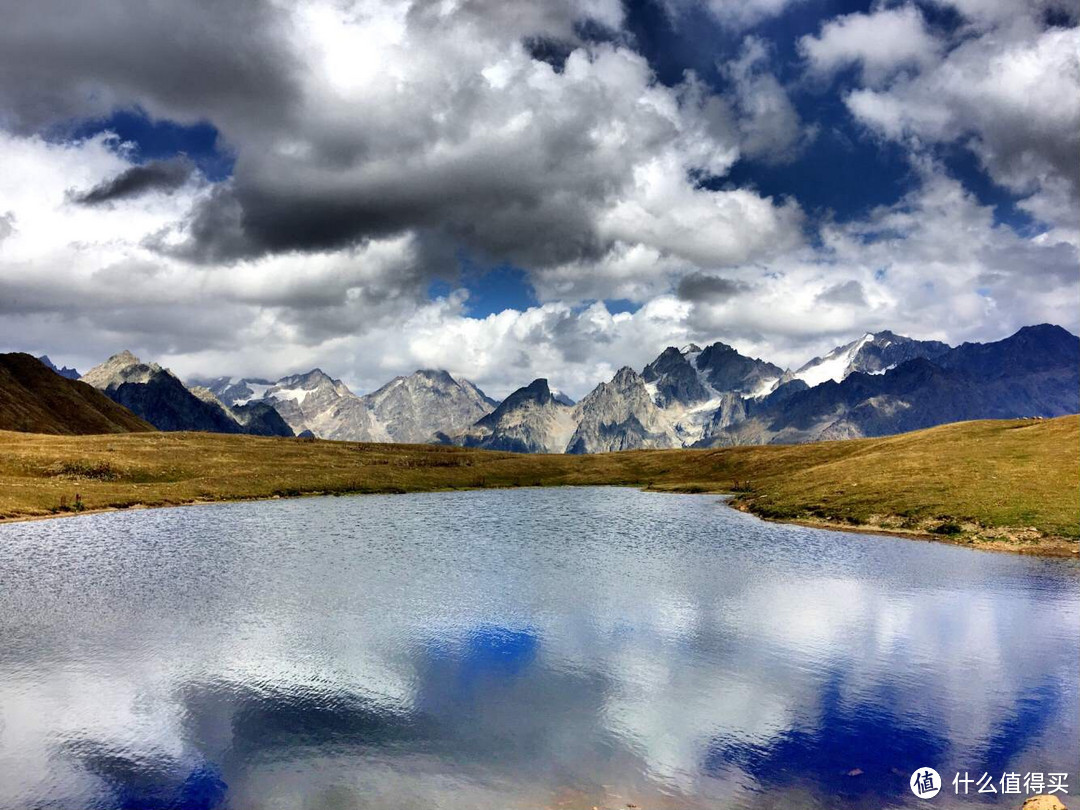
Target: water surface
<point>526,648</point>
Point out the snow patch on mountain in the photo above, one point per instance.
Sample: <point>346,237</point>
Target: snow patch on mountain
<point>874,353</point>
<point>836,365</point>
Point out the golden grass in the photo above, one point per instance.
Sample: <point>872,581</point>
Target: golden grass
<point>1001,484</point>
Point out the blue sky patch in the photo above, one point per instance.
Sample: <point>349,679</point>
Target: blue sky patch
<point>162,139</point>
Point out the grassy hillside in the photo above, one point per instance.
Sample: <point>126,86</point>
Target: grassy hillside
<point>1004,484</point>
<point>35,399</point>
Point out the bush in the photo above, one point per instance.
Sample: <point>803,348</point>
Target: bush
<point>91,470</point>
<point>947,528</point>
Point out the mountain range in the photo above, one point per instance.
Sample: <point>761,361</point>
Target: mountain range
<point>409,409</point>
<point>879,384</point>
<point>64,371</point>
<point>34,398</point>
<point>158,396</point>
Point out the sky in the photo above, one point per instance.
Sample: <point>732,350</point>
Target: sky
<point>512,189</point>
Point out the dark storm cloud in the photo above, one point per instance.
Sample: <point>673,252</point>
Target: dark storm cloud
<point>551,19</point>
<point>497,223</point>
<point>457,125</point>
<point>847,292</point>
<point>705,287</point>
<point>62,60</point>
<point>159,175</point>
<point>530,200</point>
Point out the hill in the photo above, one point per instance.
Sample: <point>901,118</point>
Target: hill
<point>995,484</point>
<point>157,395</point>
<point>36,399</point>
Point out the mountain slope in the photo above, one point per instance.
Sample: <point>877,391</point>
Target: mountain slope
<point>672,378</point>
<point>871,354</point>
<point>725,370</point>
<point>255,418</point>
<point>35,399</point>
<point>407,409</point>
<point>313,401</point>
<point>1036,372</point>
<point>530,420</point>
<point>619,415</point>
<point>156,395</point>
<point>413,409</point>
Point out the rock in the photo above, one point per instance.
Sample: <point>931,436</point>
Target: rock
<point>1043,803</point>
<point>530,420</point>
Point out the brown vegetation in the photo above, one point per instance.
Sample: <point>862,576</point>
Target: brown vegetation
<point>35,399</point>
<point>995,484</point>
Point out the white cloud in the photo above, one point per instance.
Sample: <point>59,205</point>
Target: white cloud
<point>734,14</point>
<point>1013,93</point>
<point>879,43</point>
<point>934,265</point>
<point>769,125</point>
<point>443,131</point>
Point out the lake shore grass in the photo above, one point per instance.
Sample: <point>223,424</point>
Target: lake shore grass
<point>1009,485</point>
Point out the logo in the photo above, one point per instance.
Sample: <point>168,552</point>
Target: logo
<point>925,783</point>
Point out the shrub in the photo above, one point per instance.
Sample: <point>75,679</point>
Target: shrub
<point>947,528</point>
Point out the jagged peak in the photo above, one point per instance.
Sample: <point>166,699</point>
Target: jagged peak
<point>125,357</point>
<point>440,374</point>
<point>537,391</point>
<point>537,388</point>
<point>316,375</point>
<point>689,348</point>
<point>120,368</point>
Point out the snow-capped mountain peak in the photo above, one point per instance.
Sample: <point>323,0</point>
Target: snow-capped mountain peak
<point>873,353</point>
<point>836,365</point>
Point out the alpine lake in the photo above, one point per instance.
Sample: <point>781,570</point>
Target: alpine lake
<point>527,648</point>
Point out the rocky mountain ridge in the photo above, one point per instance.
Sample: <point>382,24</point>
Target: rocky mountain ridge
<point>687,397</point>
<point>411,409</point>
<point>1033,373</point>
<point>63,371</point>
<point>158,396</point>
<point>880,384</point>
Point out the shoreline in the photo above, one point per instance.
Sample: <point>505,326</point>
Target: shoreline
<point>1049,547</point>
<point>1004,485</point>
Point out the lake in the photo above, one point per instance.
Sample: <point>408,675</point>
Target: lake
<point>528,648</point>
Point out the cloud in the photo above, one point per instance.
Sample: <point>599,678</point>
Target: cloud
<point>934,265</point>
<point>733,15</point>
<point>157,175</point>
<point>704,287</point>
<point>879,43</point>
<point>377,143</point>
<point>237,65</point>
<point>374,119</point>
<point>1015,94</point>
<point>7,225</point>
<point>518,163</point>
<point>769,125</point>
<point>846,292</point>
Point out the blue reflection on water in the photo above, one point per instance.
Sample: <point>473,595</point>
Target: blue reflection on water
<point>856,749</point>
<point>161,785</point>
